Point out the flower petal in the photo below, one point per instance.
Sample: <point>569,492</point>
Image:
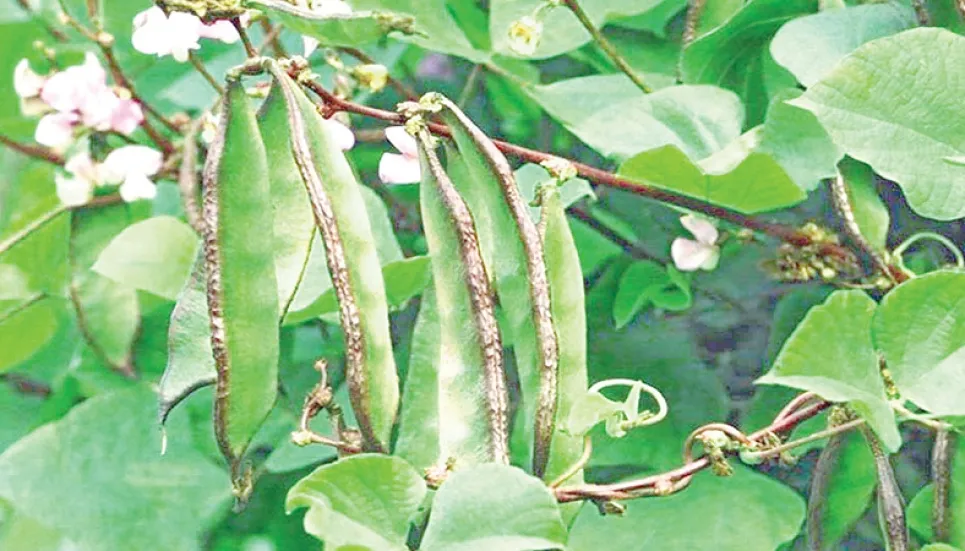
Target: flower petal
<point>56,130</point>
<point>399,169</point>
<point>126,116</point>
<point>221,30</point>
<point>403,141</point>
<point>309,45</point>
<point>689,255</point>
<point>26,82</point>
<point>80,165</point>
<point>129,160</point>
<point>342,134</point>
<point>136,187</point>
<point>163,35</point>
<point>702,229</point>
<point>73,192</point>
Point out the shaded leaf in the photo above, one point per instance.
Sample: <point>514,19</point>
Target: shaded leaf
<point>352,30</point>
<point>97,477</point>
<point>870,211</point>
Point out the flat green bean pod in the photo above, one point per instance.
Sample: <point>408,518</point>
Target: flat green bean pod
<point>240,268</point>
<point>353,264</point>
<point>511,247</point>
<point>472,393</point>
<point>568,306</point>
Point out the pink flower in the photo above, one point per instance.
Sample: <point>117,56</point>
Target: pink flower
<point>79,95</point>
<point>130,166</point>
<point>324,8</point>
<point>176,34</point>
<point>690,255</point>
<point>404,168</point>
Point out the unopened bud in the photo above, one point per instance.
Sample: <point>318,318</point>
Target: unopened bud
<point>561,169</point>
<point>372,76</point>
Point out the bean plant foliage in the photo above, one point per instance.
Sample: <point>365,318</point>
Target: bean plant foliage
<point>482,275</point>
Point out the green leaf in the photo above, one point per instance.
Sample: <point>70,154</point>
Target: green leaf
<point>830,353</point>
<point>153,255</point>
<point>190,362</point>
<point>939,547</point>
<point>240,269</point>
<point>530,176</point>
<point>919,511</point>
<point>735,178</point>
<point>619,121</point>
<point>562,30</point>
<point>351,30</point>
<point>110,316</point>
<point>812,45</point>
<point>655,19</point>
<point>467,515</point>
<point>647,282</point>
<point>797,141</point>
<point>920,329</point>
<point>870,211</point>
<point>863,103</point>
<point>590,410</point>
<point>364,501</point>
<point>731,56</point>
<point>745,512</point>
<point>97,477</point>
<point>436,28</point>
<point>848,487</point>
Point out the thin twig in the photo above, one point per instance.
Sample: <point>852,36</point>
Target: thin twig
<point>51,30</point>
<point>608,48</point>
<point>249,48</point>
<point>30,228</point>
<point>470,86</point>
<point>22,306</point>
<point>659,484</point>
<point>196,63</point>
<point>271,39</point>
<point>576,466</point>
<point>826,433</point>
<point>35,151</point>
<point>23,385</point>
<point>841,201</point>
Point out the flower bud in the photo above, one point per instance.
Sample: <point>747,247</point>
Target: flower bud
<point>524,35</point>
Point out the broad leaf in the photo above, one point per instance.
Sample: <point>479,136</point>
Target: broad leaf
<point>364,501</point>
<point>434,26</point>
<point>562,30</point>
<point>647,282</point>
<point>732,55</point>
<point>745,512</point>
<point>830,353</point>
<point>812,45</point>
<point>864,105</point>
<point>153,255</point>
<point>97,477</point>
<point>26,327</point>
<point>735,178</point>
<point>619,121</point>
<point>351,30</point>
<point>920,328</point>
<point>467,515</point>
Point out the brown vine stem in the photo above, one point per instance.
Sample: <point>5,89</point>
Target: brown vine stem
<point>198,66</point>
<point>785,233</point>
<point>608,48</point>
<point>679,477</point>
<point>245,40</point>
<point>35,151</point>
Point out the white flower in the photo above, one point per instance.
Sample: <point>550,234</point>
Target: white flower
<point>78,188</point>
<point>341,134</point>
<point>323,8</point>
<point>404,168</point>
<point>525,34</point>
<point>131,167</point>
<point>26,82</point>
<point>176,34</point>
<point>690,255</point>
<point>56,130</point>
